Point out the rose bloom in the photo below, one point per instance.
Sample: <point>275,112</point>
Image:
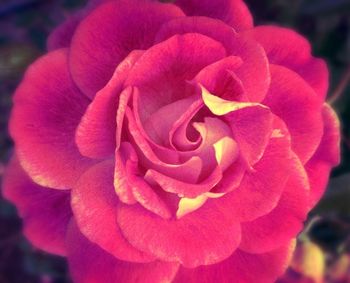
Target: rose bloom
<point>171,143</point>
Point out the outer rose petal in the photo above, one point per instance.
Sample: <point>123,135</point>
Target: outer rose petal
<point>205,236</point>
<point>165,69</point>
<point>232,12</point>
<point>241,267</point>
<point>285,221</point>
<point>326,156</point>
<point>298,106</point>
<point>45,212</point>
<point>94,205</point>
<point>254,72</point>
<point>90,264</point>
<point>62,35</point>
<point>96,134</point>
<point>46,113</point>
<point>109,34</point>
<point>262,187</point>
<point>287,48</point>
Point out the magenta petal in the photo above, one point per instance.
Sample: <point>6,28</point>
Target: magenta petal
<point>47,110</point>
<point>262,185</point>
<point>88,263</point>
<point>219,79</point>
<point>232,177</point>
<point>204,236</point>
<point>251,128</point>
<point>299,107</point>
<point>182,188</point>
<point>254,71</point>
<point>109,34</point>
<point>61,36</point>
<point>241,267</point>
<point>285,221</point>
<point>94,204</point>
<point>45,212</point>
<point>287,48</point>
<point>165,69</point>
<point>326,156</point>
<point>96,134</point>
<point>131,187</point>
<point>233,12</point>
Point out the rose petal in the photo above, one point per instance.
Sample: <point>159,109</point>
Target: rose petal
<point>61,36</point>
<point>285,221</point>
<point>232,177</point>
<point>109,34</point>
<point>96,134</point>
<point>232,12</point>
<point>251,124</point>
<point>298,106</point>
<point>205,236</point>
<point>253,73</point>
<point>179,133</point>
<point>251,128</point>
<point>219,79</point>
<point>287,48</point>
<point>132,183</point>
<point>241,267</point>
<point>181,188</point>
<point>46,113</point>
<point>186,171</point>
<point>165,69</point>
<point>94,206</point>
<point>262,186</point>
<point>159,124</point>
<point>326,156</point>
<point>88,263</point>
<point>212,131</point>
<point>45,212</point>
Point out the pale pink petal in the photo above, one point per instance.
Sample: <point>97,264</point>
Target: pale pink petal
<point>45,212</point>
<point>47,110</point>
<point>188,170</point>
<point>160,123</point>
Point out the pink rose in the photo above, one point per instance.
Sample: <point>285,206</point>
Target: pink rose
<point>171,143</point>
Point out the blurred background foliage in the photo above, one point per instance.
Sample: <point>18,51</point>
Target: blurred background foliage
<point>24,28</point>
